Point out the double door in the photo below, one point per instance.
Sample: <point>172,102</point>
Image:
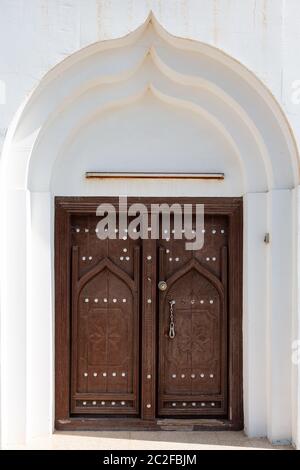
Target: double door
<point>149,323</point>
<point>147,332</point>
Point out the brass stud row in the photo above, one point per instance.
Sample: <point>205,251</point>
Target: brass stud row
<point>105,300</point>
<point>86,258</point>
<point>194,404</point>
<point>103,403</point>
<point>86,230</point>
<point>104,374</point>
<point>193,376</point>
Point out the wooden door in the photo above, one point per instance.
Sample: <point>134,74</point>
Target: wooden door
<point>193,351</point>
<point>118,364</point>
<point>105,322</point>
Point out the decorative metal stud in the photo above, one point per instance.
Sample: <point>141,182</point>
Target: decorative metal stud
<point>123,374</point>
<point>211,301</point>
<point>201,301</point>
<point>167,250</point>
<point>174,376</point>
<point>222,230</point>
<point>123,403</point>
<point>193,376</point>
<point>173,404</point>
<point>113,403</point>
<point>96,301</point>
<point>85,374</point>
<point>170,259</point>
<point>214,231</point>
<point>86,300</point>
<point>90,258</point>
<point>214,258</point>
<point>149,301</point>
<point>207,259</point>
<point>104,374</point>
<point>114,374</point>
<point>103,403</point>
<point>193,404</point>
<point>149,257</point>
<point>176,259</point>
<point>148,376</point>
<point>84,403</point>
<point>114,301</point>
<point>148,405</point>
<point>105,300</point>
<point>213,404</point>
<point>125,250</point>
<point>121,258</point>
<point>83,258</point>
<point>124,301</point>
<point>94,403</point>
<point>184,404</point>
<point>86,230</point>
<point>193,301</point>
<point>202,404</point>
<point>78,230</point>
<point>95,374</point>
<point>211,376</point>
<point>182,376</point>
<point>127,258</point>
<point>202,375</point>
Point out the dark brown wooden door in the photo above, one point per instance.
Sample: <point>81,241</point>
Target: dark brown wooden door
<point>105,322</point>
<point>192,366</point>
<point>118,356</point>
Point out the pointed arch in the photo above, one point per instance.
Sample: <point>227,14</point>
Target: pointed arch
<point>193,264</point>
<point>105,263</point>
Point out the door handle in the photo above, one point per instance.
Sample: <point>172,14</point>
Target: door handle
<point>172,333</point>
<point>162,285</point>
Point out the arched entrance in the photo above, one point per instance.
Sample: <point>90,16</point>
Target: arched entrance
<point>147,102</point>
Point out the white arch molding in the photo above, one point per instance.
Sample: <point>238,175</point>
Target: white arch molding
<point>148,102</point>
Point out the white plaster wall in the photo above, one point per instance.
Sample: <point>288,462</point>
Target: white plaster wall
<point>255,305</point>
<point>35,35</point>
<point>154,137</point>
<point>296,324</point>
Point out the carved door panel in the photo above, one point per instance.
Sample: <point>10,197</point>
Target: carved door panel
<point>105,322</point>
<point>192,378</point>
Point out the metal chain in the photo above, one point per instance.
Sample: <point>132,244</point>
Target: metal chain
<point>172,323</point>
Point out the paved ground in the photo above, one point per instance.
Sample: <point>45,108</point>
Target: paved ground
<point>150,440</point>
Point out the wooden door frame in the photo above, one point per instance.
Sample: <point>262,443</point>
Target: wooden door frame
<point>65,207</point>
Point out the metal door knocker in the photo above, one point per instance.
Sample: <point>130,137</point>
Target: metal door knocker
<point>172,324</point>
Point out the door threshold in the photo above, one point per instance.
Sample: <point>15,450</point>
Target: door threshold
<point>137,424</point>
